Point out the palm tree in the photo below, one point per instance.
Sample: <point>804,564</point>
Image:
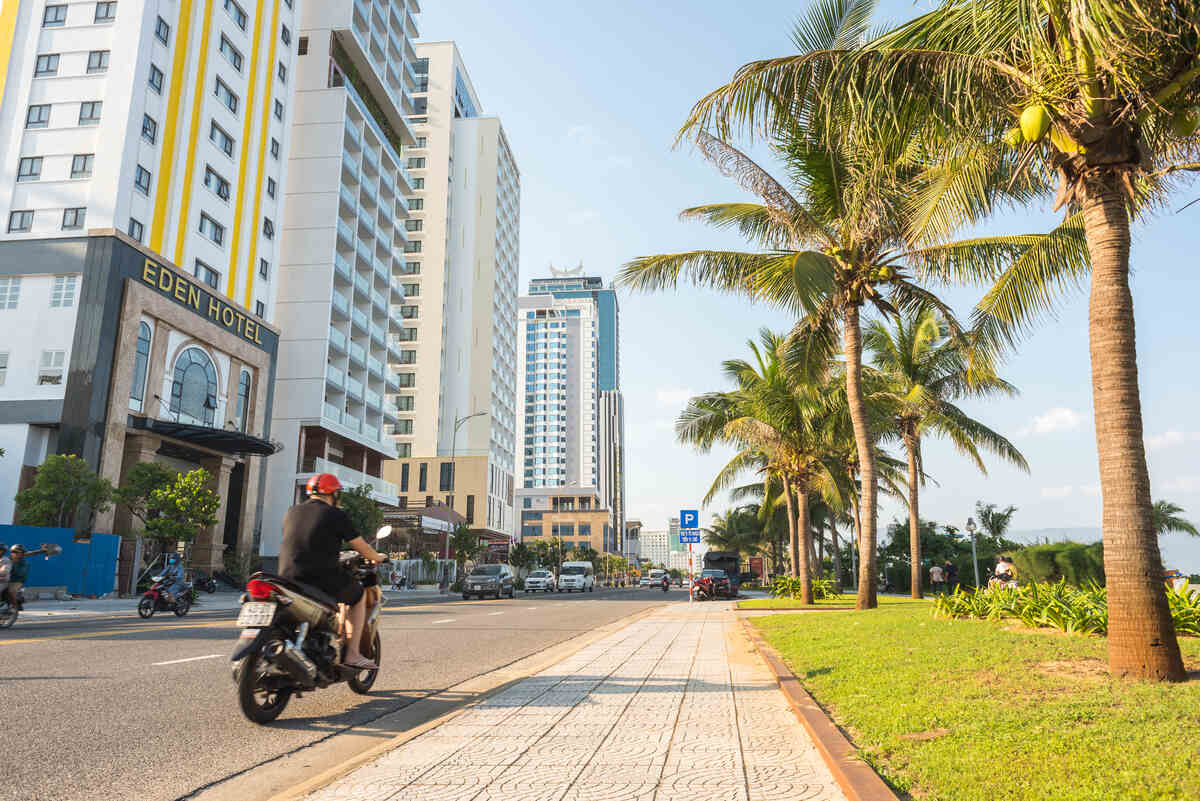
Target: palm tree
<point>924,371</point>
<point>1168,518</point>
<point>994,521</point>
<point>737,530</point>
<point>1115,85</point>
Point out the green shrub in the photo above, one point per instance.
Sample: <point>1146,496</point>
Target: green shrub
<point>1037,563</point>
<point>789,587</point>
<point>1081,565</point>
<point>1077,564</point>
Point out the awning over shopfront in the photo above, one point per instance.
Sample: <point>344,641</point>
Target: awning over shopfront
<point>233,442</point>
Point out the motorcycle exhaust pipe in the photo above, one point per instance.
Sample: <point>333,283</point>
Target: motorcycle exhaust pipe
<point>293,661</point>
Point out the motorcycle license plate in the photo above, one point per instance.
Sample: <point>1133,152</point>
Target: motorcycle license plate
<point>256,615</point>
<point>474,586</point>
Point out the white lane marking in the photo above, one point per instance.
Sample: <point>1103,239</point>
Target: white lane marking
<point>491,614</point>
<point>447,620</point>
<point>531,607</point>
<point>189,659</point>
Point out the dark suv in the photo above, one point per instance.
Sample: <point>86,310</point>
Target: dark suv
<point>494,580</point>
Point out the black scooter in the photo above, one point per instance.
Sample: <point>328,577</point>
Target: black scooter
<point>10,611</point>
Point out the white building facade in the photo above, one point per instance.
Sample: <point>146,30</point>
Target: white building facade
<point>654,546</point>
<point>342,301</point>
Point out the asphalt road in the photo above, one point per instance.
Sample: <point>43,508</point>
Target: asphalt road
<point>122,708</point>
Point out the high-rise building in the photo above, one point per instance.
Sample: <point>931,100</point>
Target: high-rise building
<point>573,415</point>
<point>655,546</point>
<point>344,284</point>
<point>458,347</point>
<point>143,148</point>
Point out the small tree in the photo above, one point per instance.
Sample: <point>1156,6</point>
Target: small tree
<point>364,513</point>
<point>466,546</point>
<point>63,485</point>
<point>140,483</point>
<point>521,556</point>
<point>994,521</point>
<point>183,508</point>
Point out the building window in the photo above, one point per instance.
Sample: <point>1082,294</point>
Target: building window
<point>470,509</point>
<point>106,12</point>
<point>414,225</point>
<point>260,309</point>
<point>278,110</point>
<point>141,360</point>
<point>217,135</point>
<point>226,96</point>
<point>97,62</point>
<point>81,165</point>
<point>445,477</point>
<point>141,179</point>
<point>418,183</point>
<point>243,401</point>
<point>271,187</point>
<point>10,292</point>
<point>149,129</point>
<point>218,185</point>
<point>207,274</point>
<point>423,478</point>
<point>20,221</point>
<point>3,366</point>
<point>212,229</point>
<point>416,203</point>
<point>136,230</point>
<point>407,335</point>
<point>282,72</point>
<point>156,79</point>
<point>412,247</point>
<point>403,427</point>
<point>274,148</point>
<point>406,356</point>
<point>29,169</point>
<point>302,46</point>
<point>231,53</point>
<point>162,31</point>
<point>409,312</point>
<point>264,269</point>
<point>89,113</point>
<point>404,477</point>
<point>62,296</point>
<point>54,17</point>
<point>50,369</point>
<point>285,35</point>
<point>38,116</point>
<point>404,403</point>
<point>411,290</point>
<point>235,11</point>
<point>412,268</point>
<point>406,380</point>
<point>194,388</point>
<point>268,228</point>
<point>420,142</point>
<point>46,65</point>
<point>416,163</point>
<point>73,220</point>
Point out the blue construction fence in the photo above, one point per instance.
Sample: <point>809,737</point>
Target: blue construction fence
<point>84,568</point>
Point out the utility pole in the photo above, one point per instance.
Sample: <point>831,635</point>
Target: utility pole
<point>974,556</point>
<point>458,421</point>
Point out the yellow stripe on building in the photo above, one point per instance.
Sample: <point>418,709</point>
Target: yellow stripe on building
<point>166,160</point>
<point>189,168</point>
<point>262,159</point>
<point>244,161</point>
<point>8,29</point>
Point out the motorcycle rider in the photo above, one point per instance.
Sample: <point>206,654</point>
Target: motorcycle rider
<point>313,534</point>
<point>17,573</point>
<point>173,577</point>
<point>5,569</point>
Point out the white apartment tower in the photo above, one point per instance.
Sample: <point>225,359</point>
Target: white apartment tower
<point>143,152</point>
<point>461,281</point>
<point>344,385</point>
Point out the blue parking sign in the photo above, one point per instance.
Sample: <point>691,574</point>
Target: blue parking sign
<point>689,519</point>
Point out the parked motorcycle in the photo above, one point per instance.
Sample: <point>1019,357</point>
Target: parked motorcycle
<point>291,641</point>
<point>203,581</point>
<point>157,599</point>
<point>9,611</point>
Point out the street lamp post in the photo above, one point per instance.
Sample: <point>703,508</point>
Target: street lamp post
<point>458,421</point>
<point>974,556</point>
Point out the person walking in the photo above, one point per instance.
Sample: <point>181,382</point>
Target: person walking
<point>950,576</point>
<point>937,578</point>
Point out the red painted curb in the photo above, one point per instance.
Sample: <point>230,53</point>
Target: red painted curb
<point>858,781</point>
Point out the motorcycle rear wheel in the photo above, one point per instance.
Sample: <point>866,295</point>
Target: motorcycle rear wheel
<point>146,607</point>
<point>182,607</point>
<point>8,617</point>
<point>258,704</point>
<point>362,681</point>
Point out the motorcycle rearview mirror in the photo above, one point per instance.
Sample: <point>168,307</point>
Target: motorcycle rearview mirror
<point>383,533</point>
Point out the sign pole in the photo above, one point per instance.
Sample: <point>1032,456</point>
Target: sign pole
<point>690,582</point>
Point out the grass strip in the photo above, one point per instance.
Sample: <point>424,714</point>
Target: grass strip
<point>837,602</point>
<point>968,710</point>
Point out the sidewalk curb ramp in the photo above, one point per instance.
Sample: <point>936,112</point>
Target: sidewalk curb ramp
<point>312,767</point>
<point>858,780</point>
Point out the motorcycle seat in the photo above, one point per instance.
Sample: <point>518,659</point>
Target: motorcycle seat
<point>307,590</point>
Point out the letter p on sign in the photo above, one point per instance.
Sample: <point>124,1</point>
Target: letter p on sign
<point>689,518</point>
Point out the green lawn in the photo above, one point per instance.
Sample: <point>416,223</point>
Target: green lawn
<point>840,602</point>
<point>1027,715</point>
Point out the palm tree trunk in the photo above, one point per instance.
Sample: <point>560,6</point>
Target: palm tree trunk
<point>837,559</point>
<point>1141,637</point>
<point>856,537</point>
<point>806,594</point>
<point>820,551</point>
<point>792,533</point>
<point>867,579</point>
<point>914,518</point>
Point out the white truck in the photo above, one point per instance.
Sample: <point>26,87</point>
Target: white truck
<point>579,576</point>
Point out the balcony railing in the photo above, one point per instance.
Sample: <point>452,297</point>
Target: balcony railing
<point>342,267</point>
<point>337,340</point>
<point>364,251</point>
<point>377,333</point>
<point>372,398</point>
<point>335,376</point>
<point>341,306</point>
<point>351,422</point>
<point>358,353</point>
<point>350,167</point>
<point>354,387</point>
<point>374,365</point>
<point>350,476</point>
<point>362,284</point>
<point>331,412</point>
<point>360,319</point>
<point>345,232</point>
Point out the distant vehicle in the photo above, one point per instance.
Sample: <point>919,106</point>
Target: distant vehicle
<point>644,581</point>
<point>730,563</point>
<point>712,584</point>
<point>579,576</point>
<point>656,576</point>
<point>539,581</point>
<point>494,580</point>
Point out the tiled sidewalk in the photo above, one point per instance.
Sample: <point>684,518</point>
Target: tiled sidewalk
<point>675,706</point>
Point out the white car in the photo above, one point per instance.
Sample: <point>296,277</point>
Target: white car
<point>540,581</point>
<point>644,581</point>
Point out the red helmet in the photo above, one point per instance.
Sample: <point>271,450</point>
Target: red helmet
<point>323,484</point>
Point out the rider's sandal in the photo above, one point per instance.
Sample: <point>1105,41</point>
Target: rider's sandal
<point>362,663</point>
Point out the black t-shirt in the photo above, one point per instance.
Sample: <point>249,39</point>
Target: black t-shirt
<point>313,533</point>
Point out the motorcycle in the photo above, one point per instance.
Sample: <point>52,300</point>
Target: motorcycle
<point>10,611</point>
<point>157,599</point>
<point>666,584</point>
<point>203,581</point>
<point>292,643</point>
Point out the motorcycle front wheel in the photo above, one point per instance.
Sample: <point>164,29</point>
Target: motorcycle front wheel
<point>365,679</point>
<point>259,704</point>
<point>146,607</point>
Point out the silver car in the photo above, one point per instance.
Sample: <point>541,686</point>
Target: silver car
<point>540,581</point>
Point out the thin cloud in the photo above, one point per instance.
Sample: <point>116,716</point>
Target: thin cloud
<point>1091,490</point>
<point>673,397</point>
<point>1058,492</point>
<point>1169,439</point>
<point>1059,418</point>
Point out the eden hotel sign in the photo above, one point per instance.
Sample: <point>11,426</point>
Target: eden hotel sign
<point>186,293</point>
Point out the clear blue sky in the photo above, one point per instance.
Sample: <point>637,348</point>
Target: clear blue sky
<point>591,96</point>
